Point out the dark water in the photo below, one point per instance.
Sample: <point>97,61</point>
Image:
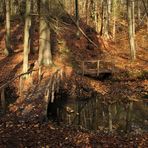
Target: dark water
<point>92,114</point>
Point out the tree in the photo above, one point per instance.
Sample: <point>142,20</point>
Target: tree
<point>27,37</point>
<point>8,49</point>
<point>77,15</point>
<point>94,13</point>
<point>114,5</point>
<point>2,6</point>
<point>138,10</point>
<point>105,19</point>
<point>45,56</point>
<point>131,28</point>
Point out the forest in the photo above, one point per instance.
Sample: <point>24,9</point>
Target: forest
<point>73,73</point>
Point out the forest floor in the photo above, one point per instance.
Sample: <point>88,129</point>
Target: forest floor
<point>129,79</point>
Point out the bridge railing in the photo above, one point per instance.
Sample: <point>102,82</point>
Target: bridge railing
<point>95,67</point>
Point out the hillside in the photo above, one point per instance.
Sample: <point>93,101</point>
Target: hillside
<point>126,80</point>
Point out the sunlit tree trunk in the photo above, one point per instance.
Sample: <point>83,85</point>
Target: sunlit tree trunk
<point>8,49</point>
<point>96,15</point>
<point>105,20</point>
<point>138,10</point>
<point>71,7</point>
<point>131,28</point>
<point>86,11</point>
<point>27,38</point>
<point>45,57</point>
<point>109,11</point>
<point>114,18</point>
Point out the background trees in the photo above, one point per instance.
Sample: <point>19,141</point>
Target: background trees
<point>106,17</point>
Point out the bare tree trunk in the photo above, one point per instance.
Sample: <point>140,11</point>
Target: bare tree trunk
<point>94,14</point>
<point>86,9</point>
<point>109,12</point>
<point>131,28</point>
<point>77,15</point>
<point>45,56</point>
<point>114,18</point>
<point>138,10</point>
<point>8,49</point>
<point>27,38</point>
<point>105,19</point>
<point>133,17</point>
<point>1,7</point>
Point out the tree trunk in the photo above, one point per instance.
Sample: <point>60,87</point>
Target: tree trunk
<point>2,7</point>
<point>105,19</point>
<point>114,18</point>
<point>8,49</point>
<point>94,14</point>
<point>27,38</point>
<point>77,15</point>
<point>138,10</point>
<point>45,57</point>
<point>131,28</point>
<point>86,11</point>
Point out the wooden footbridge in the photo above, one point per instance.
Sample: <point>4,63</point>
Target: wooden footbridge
<point>96,67</point>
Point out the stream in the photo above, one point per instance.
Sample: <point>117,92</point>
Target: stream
<point>92,114</point>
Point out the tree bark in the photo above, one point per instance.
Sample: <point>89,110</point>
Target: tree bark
<point>114,18</point>
<point>45,56</point>
<point>105,20</point>
<point>27,38</point>
<point>86,11</point>
<point>77,15</point>
<point>8,49</point>
<point>138,10</point>
<point>131,28</point>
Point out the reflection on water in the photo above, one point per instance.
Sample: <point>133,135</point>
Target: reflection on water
<point>96,115</point>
